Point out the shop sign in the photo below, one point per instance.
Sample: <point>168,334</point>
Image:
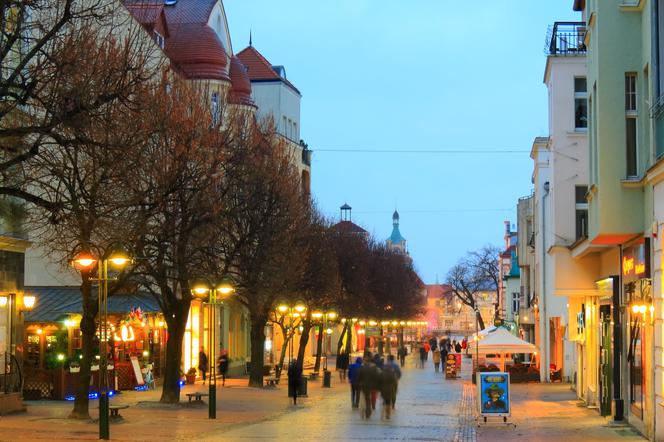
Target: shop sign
<point>636,261</point>
<point>581,320</point>
<point>494,394</point>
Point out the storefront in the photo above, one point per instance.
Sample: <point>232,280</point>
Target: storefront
<point>638,331</point>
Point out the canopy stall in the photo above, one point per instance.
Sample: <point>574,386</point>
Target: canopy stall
<point>500,341</point>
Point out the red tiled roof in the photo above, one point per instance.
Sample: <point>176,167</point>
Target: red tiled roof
<point>197,52</point>
<point>348,227</point>
<point>150,15</point>
<point>189,11</point>
<point>257,66</point>
<point>241,86</point>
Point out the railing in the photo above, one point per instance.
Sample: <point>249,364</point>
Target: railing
<point>566,38</point>
<point>11,379</point>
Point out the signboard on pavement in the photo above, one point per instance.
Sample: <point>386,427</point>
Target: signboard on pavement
<point>494,394</point>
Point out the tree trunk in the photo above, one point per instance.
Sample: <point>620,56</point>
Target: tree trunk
<point>480,321</point>
<point>282,356</point>
<point>88,331</point>
<point>257,353</point>
<point>319,350</point>
<point>304,340</point>
<point>349,339</point>
<point>170,391</point>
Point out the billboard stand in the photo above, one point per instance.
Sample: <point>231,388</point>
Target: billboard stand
<point>494,398</point>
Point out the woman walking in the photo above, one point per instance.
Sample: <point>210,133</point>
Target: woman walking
<point>436,359</point>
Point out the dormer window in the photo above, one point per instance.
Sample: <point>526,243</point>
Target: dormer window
<point>159,39</point>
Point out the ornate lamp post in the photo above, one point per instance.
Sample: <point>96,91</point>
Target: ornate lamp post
<point>215,295</point>
<point>86,261</point>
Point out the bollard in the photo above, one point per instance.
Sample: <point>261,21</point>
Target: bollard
<point>327,379</point>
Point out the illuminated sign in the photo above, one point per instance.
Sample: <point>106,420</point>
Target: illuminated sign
<point>126,334</point>
<point>636,261</point>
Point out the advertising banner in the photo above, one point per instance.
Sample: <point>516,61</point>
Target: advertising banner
<point>494,394</point>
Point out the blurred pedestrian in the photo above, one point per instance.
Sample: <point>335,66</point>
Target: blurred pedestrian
<point>343,360</point>
<point>222,364</point>
<point>354,380</point>
<point>436,359</point>
<point>294,378</point>
<point>443,357</point>
<point>369,381</point>
<point>402,354</point>
<point>457,347</point>
<point>423,355</point>
<point>464,345</point>
<point>202,363</point>
<point>427,349</point>
<point>389,379</point>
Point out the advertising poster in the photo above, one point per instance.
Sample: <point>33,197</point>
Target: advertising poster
<point>494,394</point>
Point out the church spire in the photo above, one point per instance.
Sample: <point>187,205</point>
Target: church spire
<point>250,39</point>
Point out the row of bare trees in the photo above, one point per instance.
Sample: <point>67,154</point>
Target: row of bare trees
<point>106,146</point>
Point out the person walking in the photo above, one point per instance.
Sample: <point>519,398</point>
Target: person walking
<point>423,355</point>
<point>222,364</point>
<point>436,359</point>
<point>457,347</point>
<point>427,349</point>
<point>343,360</point>
<point>354,380</point>
<point>368,379</point>
<point>402,354</point>
<point>392,365</point>
<point>388,386</point>
<point>203,363</point>
<point>443,357</point>
<point>294,377</point>
<point>464,345</point>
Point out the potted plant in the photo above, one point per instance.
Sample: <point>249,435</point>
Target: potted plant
<point>191,376</point>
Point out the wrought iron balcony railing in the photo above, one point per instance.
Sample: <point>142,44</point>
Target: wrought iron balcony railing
<point>566,38</point>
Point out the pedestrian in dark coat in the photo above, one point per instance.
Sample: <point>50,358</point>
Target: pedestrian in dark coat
<point>402,355</point>
<point>343,360</point>
<point>369,380</point>
<point>203,363</point>
<point>354,379</point>
<point>423,356</point>
<point>294,377</point>
<point>222,364</point>
<point>457,348</point>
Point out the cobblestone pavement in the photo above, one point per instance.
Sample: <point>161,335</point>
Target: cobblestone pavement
<point>428,409</point>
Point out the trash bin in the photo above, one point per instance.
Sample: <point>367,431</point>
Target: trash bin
<point>327,379</point>
<point>302,391</point>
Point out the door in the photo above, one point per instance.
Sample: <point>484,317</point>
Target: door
<point>605,374</point>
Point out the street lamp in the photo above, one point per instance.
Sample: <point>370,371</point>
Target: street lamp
<point>203,291</point>
<point>85,261</point>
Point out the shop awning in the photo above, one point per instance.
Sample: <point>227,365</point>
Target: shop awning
<point>56,303</point>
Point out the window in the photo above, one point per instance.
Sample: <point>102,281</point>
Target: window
<point>284,127</point>
<point>515,302</point>
<point>630,124</point>
<point>214,108</point>
<point>159,39</point>
<point>581,212</point>
<point>449,322</point>
<point>580,103</point>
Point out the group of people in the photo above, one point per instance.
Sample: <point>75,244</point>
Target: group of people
<point>370,375</point>
<point>222,365</point>
<point>440,350</point>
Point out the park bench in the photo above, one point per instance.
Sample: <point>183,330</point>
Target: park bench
<point>115,410</point>
<point>198,396</point>
<point>271,381</point>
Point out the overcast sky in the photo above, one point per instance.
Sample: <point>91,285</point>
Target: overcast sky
<point>413,76</point>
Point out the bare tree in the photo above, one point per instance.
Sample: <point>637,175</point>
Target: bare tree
<point>477,272</point>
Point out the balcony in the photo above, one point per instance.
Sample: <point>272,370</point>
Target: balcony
<point>566,38</point>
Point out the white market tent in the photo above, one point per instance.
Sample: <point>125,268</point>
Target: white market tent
<point>486,331</point>
<point>500,341</point>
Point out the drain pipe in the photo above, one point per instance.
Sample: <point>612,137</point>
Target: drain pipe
<point>546,351</point>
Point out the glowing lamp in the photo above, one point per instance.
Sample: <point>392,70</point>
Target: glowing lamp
<point>282,308</point>
<point>329,331</point>
<point>362,323</point>
<point>395,323</point>
<point>225,288</point>
<point>354,319</point>
<point>642,309</point>
<point>402,323</point>
<point>146,353</point>
<point>161,323</point>
<point>332,315</point>
<point>372,323</point>
<point>316,315</point>
<point>61,357</point>
<point>343,320</point>
<point>635,309</point>
<point>29,302</point>
<point>4,299</point>
<point>84,261</point>
<point>300,308</point>
<point>40,331</point>
<point>200,291</point>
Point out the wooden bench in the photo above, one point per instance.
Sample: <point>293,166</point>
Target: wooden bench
<point>198,396</point>
<point>271,381</point>
<point>115,410</point>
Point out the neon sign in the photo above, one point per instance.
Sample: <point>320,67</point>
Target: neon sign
<point>126,334</point>
<point>636,261</point>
